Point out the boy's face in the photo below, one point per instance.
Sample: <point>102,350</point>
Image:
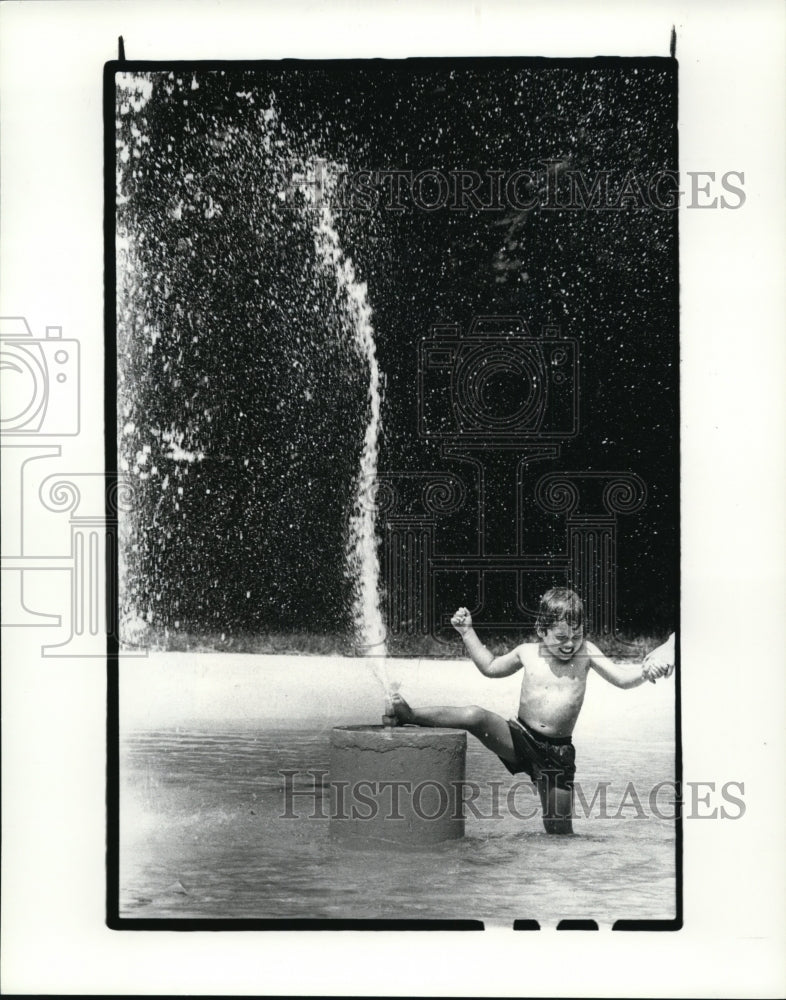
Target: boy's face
<point>562,640</point>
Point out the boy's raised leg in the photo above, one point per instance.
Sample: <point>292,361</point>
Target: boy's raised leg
<point>491,729</point>
<point>493,732</point>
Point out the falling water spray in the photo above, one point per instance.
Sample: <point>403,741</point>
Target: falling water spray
<point>275,176</point>
<point>362,543</point>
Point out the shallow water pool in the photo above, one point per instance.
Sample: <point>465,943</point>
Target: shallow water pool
<point>202,836</point>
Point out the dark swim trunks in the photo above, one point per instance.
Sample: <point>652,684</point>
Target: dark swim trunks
<point>543,758</point>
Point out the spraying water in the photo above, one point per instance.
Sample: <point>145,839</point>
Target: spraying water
<point>362,543</point>
<point>210,232</point>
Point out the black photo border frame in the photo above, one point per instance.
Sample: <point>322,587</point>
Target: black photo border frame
<point>113,919</point>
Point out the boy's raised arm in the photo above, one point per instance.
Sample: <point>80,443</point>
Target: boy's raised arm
<point>621,675</point>
<point>484,660</point>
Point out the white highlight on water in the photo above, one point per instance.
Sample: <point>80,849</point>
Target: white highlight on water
<point>363,543</point>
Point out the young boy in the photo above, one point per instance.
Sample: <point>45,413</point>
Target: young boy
<point>538,742</point>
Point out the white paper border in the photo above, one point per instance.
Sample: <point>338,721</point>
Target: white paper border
<point>732,82</point>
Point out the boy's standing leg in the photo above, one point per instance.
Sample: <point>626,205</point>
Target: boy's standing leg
<point>557,803</point>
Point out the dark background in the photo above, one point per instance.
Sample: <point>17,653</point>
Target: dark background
<point>228,331</point>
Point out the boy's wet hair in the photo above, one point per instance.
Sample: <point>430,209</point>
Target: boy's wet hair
<point>557,605</point>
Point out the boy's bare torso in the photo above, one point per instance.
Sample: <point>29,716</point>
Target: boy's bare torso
<point>552,690</point>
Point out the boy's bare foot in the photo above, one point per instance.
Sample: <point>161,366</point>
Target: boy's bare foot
<point>402,711</point>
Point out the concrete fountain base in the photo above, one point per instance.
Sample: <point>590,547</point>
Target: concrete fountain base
<point>401,786</point>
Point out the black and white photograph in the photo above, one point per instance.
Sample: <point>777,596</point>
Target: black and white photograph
<point>392,502</point>
<point>397,399</point>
